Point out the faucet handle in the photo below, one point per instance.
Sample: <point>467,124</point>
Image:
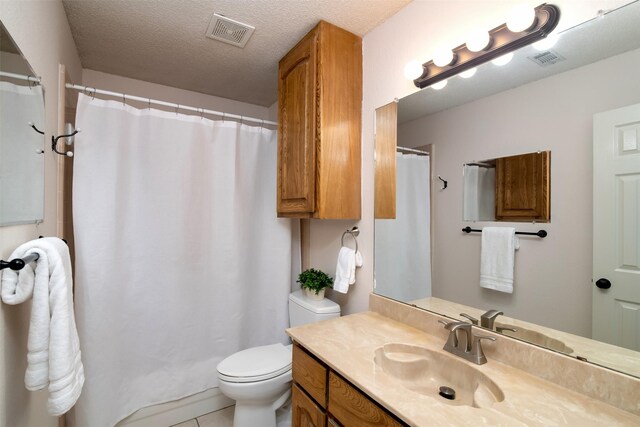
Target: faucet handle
<point>476,349</point>
<point>501,329</point>
<point>471,318</point>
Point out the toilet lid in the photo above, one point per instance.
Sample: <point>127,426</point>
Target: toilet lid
<point>256,364</point>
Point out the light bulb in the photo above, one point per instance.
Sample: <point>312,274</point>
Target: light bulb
<point>413,70</point>
<point>443,57</point>
<point>469,73</point>
<point>546,43</point>
<point>478,40</point>
<point>521,18</point>
<point>503,60</point>
<point>440,85</point>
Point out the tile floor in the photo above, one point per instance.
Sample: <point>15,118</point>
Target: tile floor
<point>221,418</point>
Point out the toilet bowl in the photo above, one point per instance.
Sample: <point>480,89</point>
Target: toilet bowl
<point>259,378</point>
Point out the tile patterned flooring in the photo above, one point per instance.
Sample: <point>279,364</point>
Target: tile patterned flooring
<point>221,418</point>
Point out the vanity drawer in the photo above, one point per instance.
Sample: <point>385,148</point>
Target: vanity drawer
<point>310,374</point>
<point>352,408</point>
<point>305,412</point>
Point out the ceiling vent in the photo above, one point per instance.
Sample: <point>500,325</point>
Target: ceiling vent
<point>229,31</point>
<point>544,59</point>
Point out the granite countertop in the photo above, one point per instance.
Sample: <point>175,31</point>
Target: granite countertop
<point>347,344</point>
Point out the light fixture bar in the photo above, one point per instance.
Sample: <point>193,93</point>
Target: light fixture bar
<point>503,41</point>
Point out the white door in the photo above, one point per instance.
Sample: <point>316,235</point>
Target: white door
<point>616,227</point>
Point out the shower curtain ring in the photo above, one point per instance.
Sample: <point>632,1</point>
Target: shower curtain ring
<point>177,108</point>
<point>201,113</point>
<point>149,104</point>
<point>123,99</point>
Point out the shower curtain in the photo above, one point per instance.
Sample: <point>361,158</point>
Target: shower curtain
<point>180,259</point>
<point>403,244</point>
<point>479,193</point>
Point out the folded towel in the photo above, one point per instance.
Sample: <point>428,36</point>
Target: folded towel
<point>53,356</point>
<point>348,260</point>
<point>497,258</point>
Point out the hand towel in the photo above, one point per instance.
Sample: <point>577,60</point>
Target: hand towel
<point>53,356</point>
<point>497,258</point>
<point>348,260</point>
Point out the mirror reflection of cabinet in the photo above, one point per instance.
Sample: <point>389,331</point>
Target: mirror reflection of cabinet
<point>514,188</point>
<point>385,161</point>
<point>522,188</point>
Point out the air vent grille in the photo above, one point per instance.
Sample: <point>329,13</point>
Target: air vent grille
<point>545,59</point>
<point>229,31</point>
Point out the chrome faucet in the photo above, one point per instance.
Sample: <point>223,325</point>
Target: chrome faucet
<point>488,318</point>
<point>471,348</point>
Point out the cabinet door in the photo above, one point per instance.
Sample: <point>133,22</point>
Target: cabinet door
<point>296,131</point>
<point>522,187</point>
<point>352,408</point>
<point>305,413</point>
<point>310,374</point>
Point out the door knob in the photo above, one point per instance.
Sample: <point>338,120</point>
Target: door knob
<point>603,283</point>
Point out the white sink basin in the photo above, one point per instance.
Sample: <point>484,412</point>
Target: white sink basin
<point>425,371</point>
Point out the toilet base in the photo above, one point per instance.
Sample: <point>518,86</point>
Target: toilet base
<point>258,415</point>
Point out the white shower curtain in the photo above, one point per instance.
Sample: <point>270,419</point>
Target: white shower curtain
<point>180,259</point>
<point>479,193</point>
<point>403,244</point>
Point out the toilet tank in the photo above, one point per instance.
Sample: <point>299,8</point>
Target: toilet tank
<point>303,310</point>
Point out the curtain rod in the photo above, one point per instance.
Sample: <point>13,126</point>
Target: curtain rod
<point>92,91</point>
<point>411,150</point>
<point>33,79</point>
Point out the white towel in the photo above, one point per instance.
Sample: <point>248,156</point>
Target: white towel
<point>348,260</point>
<point>497,258</point>
<point>53,356</point>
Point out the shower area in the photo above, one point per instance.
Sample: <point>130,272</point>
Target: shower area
<point>180,259</point>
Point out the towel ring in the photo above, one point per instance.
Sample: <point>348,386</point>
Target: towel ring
<point>354,232</point>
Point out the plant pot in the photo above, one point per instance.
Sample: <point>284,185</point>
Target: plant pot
<point>311,294</point>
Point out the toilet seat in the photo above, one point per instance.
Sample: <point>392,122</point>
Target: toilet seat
<point>256,364</point>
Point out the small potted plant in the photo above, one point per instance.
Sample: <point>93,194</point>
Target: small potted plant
<point>314,283</point>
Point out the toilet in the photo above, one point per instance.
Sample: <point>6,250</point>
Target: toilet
<point>259,378</point>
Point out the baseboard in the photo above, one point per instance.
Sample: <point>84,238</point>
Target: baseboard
<point>177,411</point>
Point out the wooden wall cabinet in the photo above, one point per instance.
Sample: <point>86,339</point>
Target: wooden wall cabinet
<point>319,126</point>
<point>321,397</point>
<point>523,187</point>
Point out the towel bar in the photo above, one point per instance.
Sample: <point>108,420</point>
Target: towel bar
<point>540,233</point>
<point>18,263</point>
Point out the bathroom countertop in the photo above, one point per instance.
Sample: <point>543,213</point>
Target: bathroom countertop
<point>347,345</point>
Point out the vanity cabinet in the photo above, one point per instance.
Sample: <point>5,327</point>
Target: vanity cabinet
<point>319,126</point>
<point>321,397</point>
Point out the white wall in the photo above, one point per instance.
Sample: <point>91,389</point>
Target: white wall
<point>552,285</point>
<point>413,33</point>
<point>40,30</point>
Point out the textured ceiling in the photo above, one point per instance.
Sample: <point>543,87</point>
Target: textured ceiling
<point>163,41</point>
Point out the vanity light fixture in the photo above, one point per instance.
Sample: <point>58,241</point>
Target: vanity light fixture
<point>412,70</point>
<point>479,41</point>
<point>502,40</point>
<point>440,85</point>
<point>469,73</point>
<point>503,60</point>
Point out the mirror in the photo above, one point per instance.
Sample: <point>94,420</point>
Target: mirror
<point>21,147</point>
<point>513,188</point>
<point>541,101</point>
